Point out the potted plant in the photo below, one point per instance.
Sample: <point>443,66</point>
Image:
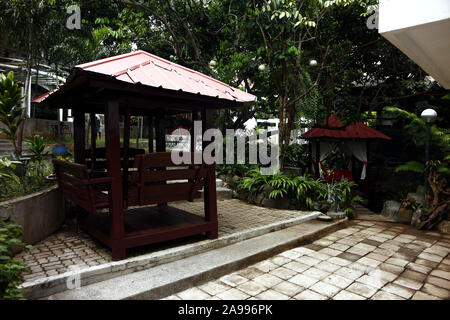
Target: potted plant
<point>406,210</point>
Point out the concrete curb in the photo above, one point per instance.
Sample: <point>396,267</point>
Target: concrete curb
<point>55,284</point>
<point>170,278</point>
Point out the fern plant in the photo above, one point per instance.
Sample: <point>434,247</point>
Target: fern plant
<point>254,182</point>
<point>307,189</point>
<point>432,165</point>
<point>281,184</point>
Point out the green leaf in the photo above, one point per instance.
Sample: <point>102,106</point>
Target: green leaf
<point>411,166</point>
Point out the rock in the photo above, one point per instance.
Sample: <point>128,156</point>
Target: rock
<point>243,195</point>
<point>275,203</point>
<point>336,215</point>
<point>235,194</point>
<point>419,198</point>
<point>259,198</point>
<point>252,198</point>
<point>390,209</point>
<point>267,190</point>
<point>420,190</point>
<point>235,181</point>
<point>325,207</point>
<point>219,183</point>
<point>404,215</point>
<point>416,217</point>
<point>324,217</point>
<point>444,226</point>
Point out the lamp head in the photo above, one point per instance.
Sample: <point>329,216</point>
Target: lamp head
<point>313,63</point>
<point>428,115</point>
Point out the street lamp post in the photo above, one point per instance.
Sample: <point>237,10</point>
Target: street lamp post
<point>428,115</point>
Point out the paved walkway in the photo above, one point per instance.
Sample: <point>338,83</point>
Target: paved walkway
<point>367,260</point>
<point>66,248</point>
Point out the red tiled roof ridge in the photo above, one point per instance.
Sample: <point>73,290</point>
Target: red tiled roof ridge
<point>141,67</point>
<point>336,129</point>
<point>133,53</point>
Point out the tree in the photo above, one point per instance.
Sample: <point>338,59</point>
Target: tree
<point>285,27</point>
<point>11,112</point>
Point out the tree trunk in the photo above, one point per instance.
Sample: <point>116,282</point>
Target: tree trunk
<point>27,91</point>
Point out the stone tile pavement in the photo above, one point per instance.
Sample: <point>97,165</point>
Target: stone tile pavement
<point>367,260</point>
<point>55,254</point>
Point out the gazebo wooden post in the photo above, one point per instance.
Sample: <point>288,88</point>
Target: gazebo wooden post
<point>150,133</point>
<point>209,190</point>
<point>79,133</point>
<point>195,117</point>
<point>114,170</point>
<point>93,141</point>
<point>317,164</point>
<point>367,173</point>
<point>79,128</point>
<point>310,160</point>
<point>160,132</point>
<point>126,152</point>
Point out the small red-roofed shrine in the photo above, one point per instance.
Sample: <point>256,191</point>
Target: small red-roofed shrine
<point>353,139</point>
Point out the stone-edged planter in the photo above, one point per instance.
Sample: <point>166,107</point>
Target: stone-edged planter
<point>40,214</point>
<point>404,215</point>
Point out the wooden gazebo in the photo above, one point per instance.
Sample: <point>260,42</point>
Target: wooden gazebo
<point>118,178</point>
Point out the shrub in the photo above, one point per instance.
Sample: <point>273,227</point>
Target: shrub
<point>239,170</point>
<point>10,270</point>
<point>12,186</point>
<point>304,188</point>
<point>295,155</point>
<point>37,148</point>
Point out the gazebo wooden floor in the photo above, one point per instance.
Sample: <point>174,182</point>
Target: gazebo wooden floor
<point>148,225</point>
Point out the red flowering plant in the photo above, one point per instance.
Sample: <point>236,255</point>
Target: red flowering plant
<point>409,203</point>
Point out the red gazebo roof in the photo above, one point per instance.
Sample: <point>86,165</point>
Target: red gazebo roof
<point>336,130</point>
<point>140,67</point>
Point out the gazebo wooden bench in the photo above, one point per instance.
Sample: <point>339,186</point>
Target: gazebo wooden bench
<point>136,188</point>
<point>156,180</point>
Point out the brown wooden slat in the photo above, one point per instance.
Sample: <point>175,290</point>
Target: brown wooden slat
<point>134,201</point>
<point>80,202</point>
<point>80,190</point>
<point>77,182</point>
<point>140,237</point>
<point>167,175</point>
<point>101,163</point>
<point>75,169</point>
<point>158,160</point>
<point>101,152</point>
<point>162,190</point>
